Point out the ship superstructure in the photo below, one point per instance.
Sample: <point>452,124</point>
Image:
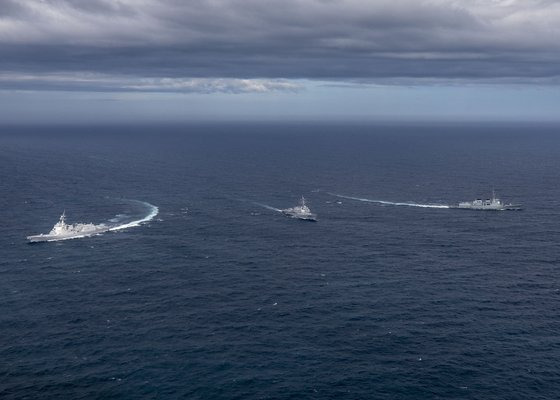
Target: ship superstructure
<point>300,211</point>
<point>493,204</point>
<point>62,231</point>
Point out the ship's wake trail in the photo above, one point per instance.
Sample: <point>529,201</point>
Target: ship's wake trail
<point>267,207</point>
<point>152,212</point>
<point>390,202</point>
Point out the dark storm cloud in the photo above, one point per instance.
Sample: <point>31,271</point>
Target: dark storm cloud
<point>384,40</point>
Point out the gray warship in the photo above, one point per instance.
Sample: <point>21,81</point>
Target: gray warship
<point>493,204</point>
<point>63,231</point>
<point>300,211</point>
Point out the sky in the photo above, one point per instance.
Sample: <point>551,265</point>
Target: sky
<point>179,60</point>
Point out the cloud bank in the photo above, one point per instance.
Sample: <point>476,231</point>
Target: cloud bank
<point>258,45</point>
<point>93,82</point>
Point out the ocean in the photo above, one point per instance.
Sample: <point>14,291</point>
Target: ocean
<point>219,296</point>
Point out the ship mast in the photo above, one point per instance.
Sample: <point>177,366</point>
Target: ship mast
<point>62,220</point>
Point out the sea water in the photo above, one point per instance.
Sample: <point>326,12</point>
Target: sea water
<point>218,297</point>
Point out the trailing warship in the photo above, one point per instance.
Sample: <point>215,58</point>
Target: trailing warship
<point>300,211</point>
<point>493,204</point>
<point>62,231</point>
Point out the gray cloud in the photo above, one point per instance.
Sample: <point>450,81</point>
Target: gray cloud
<point>108,83</point>
<point>166,44</point>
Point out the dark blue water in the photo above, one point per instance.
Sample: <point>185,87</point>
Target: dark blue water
<point>220,298</point>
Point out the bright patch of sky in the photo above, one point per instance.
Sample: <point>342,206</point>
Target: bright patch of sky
<point>315,101</point>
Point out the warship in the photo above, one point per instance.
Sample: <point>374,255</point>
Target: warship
<point>300,211</point>
<point>63,231</point>
<point>493,204</point>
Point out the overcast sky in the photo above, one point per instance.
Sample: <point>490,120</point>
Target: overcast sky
<point>70,60</point>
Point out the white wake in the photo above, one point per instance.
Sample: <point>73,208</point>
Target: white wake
<point>154,210</point>
<point>268,207</point>
<point>390,202</point>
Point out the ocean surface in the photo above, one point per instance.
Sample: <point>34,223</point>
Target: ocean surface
<point>219,296</point>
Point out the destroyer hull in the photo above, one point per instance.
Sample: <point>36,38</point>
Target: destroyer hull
<point>309,217</point>
<point>54,238</point>
<point>511,207</point>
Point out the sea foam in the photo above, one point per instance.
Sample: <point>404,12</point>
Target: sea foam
<point>390,202</point>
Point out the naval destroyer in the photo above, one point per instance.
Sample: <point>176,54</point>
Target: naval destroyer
<point>300,211</point>
<point>62,231</point>
<point>493,204</point>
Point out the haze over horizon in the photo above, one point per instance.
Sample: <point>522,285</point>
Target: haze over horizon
<point>119,61</point>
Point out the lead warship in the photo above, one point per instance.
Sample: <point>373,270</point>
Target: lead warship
<point>493,204</point>
<point>301,212</point>
<point>62,231</point>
